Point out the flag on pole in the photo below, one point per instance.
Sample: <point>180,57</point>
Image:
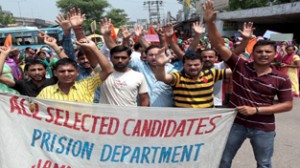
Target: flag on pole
<point>151,30</point>
<point>113,32</point>
<point>93,26</point>
<point>8,41</point>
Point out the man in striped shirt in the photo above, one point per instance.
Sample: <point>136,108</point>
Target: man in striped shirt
<point>192,87</point>
<point>255,86</point>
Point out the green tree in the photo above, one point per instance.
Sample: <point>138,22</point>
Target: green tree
<point>6,18</point>
<point>118,17</point>
<point>93,9</point>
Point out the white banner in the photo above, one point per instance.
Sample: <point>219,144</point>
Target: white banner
<point>56,134</point>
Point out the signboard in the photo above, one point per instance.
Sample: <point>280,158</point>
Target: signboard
<point>282,37</point>
<point>93,26</point>
<point>268,34</point>
<point>80,135</point>
<point>152,38</point>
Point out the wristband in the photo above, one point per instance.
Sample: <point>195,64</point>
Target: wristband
<point>257,110</point>
<point>59,50</point>
<point>77,28</point>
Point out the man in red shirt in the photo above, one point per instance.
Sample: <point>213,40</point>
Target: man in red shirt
<point>255,86</point>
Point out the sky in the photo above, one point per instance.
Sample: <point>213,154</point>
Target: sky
<point>47,10</point>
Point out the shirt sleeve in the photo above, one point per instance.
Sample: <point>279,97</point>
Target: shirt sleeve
<point>143,87</point>
<point>285,91</point>
<point>233,61</point>
<point>18,85</point>
<point>296,58</point>
<point>68,46</point>
<point>134,63</point>
<point>175,76</point>
<point>219,74</point>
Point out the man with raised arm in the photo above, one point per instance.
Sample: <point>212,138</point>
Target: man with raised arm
<point>160,94</point>
<point>87,65</point>
<point>124,85</point>
<point>66,72</point>
<point>192,87</point>
<point>255,86</point>
<point>36,71</point>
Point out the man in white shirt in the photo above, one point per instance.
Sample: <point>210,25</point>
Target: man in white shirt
<point>210,58</point>
<point>124,85</point>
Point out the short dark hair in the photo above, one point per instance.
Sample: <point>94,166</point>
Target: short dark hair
<point>191,56</point>
<point>151,47</point>
<point>136,46</point>
<point>120,48</point>
<point>27,48</point>
<point>289,46</point>
<point>209,49</point>
<point>80,52</point>
<point>33,62</point>
<point>264,43</point>
<point>65,61</point>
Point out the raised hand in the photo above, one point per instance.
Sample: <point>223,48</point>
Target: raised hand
<point>76,18</point>
<point>169,30</point>
<point>161,57</point>
<point>42,35</point>
<point>4,51</point>
<point>139,31</point>
<point>63,23</point>
<point>159,30</point>
<point>198,28</point>
<point>125,33</point>
<point>50,41</point>
<point>247,30</point>
<point>209,12</point>
<point>106,26</point>
<point>85,43</point>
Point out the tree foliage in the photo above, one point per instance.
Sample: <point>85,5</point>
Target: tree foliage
<point>93,10</point>
<point>6,18</point>
<point>118,17</point>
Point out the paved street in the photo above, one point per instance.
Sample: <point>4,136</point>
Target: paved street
<point>287,143</point>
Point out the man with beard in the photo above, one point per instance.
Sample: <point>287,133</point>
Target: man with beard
<point>85,68</point>
<point>160,94</point>
<point>86,65</point>
<point>210,58</point>
<point>192,87</point>
<point>255,85</point>
<point>66,71</point>
<point>123,85</point>
<point>36,70</point>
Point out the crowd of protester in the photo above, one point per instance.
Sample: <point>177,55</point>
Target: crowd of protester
<point>199,72</point>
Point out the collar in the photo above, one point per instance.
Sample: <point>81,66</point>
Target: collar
<point>57,89</point>
<point>42,83</point>
<point>273,72</point>
<point>186,76</point>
